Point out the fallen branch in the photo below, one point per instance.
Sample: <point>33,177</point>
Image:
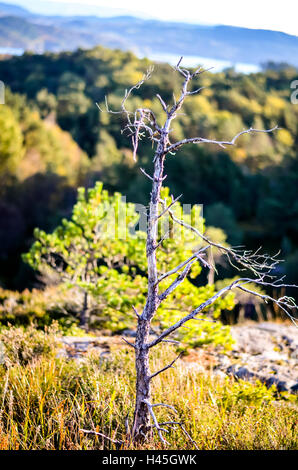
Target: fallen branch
<point>102,435</point>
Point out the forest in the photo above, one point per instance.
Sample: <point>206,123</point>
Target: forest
<point>56,140</point>
<point>65,162</point>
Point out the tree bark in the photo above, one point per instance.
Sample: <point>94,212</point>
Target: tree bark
<point>141,413</point>
<point>84,318</point>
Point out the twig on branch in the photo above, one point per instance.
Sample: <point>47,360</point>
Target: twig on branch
<point>146,174</point>
<point>163,104</point>
<point>140,122</point>
<point>169,206</point>
<point>285,303</point>
<point>195,256</point>
<point>259,264</point>
<point>127,342</point>
<point>162,370</point>
<point>162,240</point>
<point>177,423</point>
<point>221,143</point>
<point>176,282</point>
<point>173,341</point>
<point>102,435</point>
<point>166,406</point>
<point>195,91</point>
<point>156,425</point>
<point>136,312</point>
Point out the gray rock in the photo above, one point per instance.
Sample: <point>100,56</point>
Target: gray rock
<point>129,333</point>
<point>75,347</point>
<point>265,351</point>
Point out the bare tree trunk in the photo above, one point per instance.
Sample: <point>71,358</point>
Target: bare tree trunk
<point>210,276</point>
<point>142,412</point>
<point>259,312</point>
<point>84,318</point>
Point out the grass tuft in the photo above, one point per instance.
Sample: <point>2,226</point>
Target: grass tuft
<point>45,401</point>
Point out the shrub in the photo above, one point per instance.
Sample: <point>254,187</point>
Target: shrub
<point>21,346</point>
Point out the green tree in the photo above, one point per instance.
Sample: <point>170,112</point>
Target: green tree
<point>78,249</point>
<point>11,141</point>
<point>100,252</point>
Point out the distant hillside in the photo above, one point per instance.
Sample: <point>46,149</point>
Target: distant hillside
<point>18,32</point>
<point>6,9</point>
<point>20,29</point>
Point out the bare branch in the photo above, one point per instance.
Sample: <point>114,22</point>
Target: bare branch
<point>190,316</point>
<point>179,62</point>
<point>173,341</point>
<point>221,143</point>
<point>177,281</point>
<point>163,104</point>
<point>166,406</point>
<point>139,123</point>
<point>169,206</point>
<point>195,91</point>
<point>127,342</point>
<point>136,312</point>
<point>146,174</point>
<point>162,240</point>
<point>102,435</point>
<point>177,423</point>
<point>162,370</point>
<point>285,303</point>
<point>181,265</point>
<point>259,264</point>
<point>156,425</point>
<point>145,77</point>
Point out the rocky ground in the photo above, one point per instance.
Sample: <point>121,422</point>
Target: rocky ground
<point>263,351</point>
<point>77,347</point>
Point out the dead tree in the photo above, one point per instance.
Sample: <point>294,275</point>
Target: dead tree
<point>140,124</point>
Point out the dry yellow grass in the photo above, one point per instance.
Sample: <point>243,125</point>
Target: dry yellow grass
<point>45,403</point>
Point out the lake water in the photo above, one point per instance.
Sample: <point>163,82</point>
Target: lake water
<point>206,62</point>
<point>11,51</point>
<point>188,60</point>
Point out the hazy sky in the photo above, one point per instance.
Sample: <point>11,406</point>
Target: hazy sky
<point>263,14</point>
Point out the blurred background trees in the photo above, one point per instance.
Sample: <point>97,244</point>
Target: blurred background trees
<point>55,140</point>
